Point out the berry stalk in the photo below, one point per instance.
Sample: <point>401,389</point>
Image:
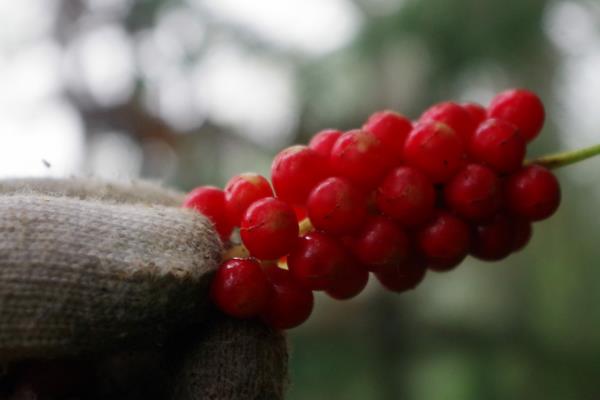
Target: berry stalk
<point>236,251</point>
<point>565,158</point>
<point>305,226</point>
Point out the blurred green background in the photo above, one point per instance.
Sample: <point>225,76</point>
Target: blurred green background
<point>192,92</point>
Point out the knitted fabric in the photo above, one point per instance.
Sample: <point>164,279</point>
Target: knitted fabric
<point>257,371</point>
<point>89,269</point>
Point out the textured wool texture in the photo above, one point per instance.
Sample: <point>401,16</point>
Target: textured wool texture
<point>91,269</point>
<point>257,371</point>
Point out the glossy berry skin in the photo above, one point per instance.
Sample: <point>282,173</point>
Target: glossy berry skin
<point>533,193</point>
<point>407,196</point>
<point>315,260</point>
<point>210,201</point>
<point>453,115</point>
<point>337,206</point>
<point>269,228</point>
<point>360,157</point>
<point>402,277</point>
<point>241,288</point>
<point>291,303</point>
<point>349,281</point>
<point>522,108</point>
<point>444,242</point>
<point>474,193</point>
<point>243,190</point>
<point>381,242</point>
<point>436,150</point>
<point>295,171</point>
<point>323,141</point>
<point>477,112</point>
<point>492,241</point>
<point>391,129</point>
<point>521,232</point>
<point>499,145</point>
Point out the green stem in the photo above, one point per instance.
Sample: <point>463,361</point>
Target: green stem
<point>564,158</point>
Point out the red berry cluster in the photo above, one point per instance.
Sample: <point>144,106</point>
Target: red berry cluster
<point>394,198</point>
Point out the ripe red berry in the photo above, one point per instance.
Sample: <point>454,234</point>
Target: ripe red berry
<point>241,288</point>
<point>300,213</point>
<point>522,232</point>
<point>533,193</point>
<point>492,241</point>
<point>391,129</point>
<point>337,206</point>
<point>269,228</point>
<point>315,260</point>
<point>436,150</point>
<point>360,157</point>
<point>453,115</point>
<point>407,196</point>
<point>243,190</point>
<point>521,108</point>
<point>477,112</point>
<point>381,242</point>
<point>210,201</point>
<point>444,242</point>
<point>402,277</point>
<point>349,281</point>
<point>498,144</point>
<point>291,303</point>
<point>474,193</point>
<point>323,141</point>
<point>295,171</point>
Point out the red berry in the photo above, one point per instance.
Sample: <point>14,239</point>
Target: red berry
<point>453,115</point>
<point>349,281</point>
<point>435,149</point>
<point>210,201</point>
<point>522,232</point>
<point>291,303</point>
<point>407,196</point>
<point>444,241</point>
<point>360,157</point>
<point>474,193</point>
<point>300,213</point>
<point>315,260</point>
<point>241,288</point>
<point>269,228</point>
<point>492,241</point>
<point>521,108</point>
<point>336,206</point>
<point>499,145</point>
<point>323,141</point>
<point>533,193</point>
<point>295,171</point>
<point>402,277</point>
<point>243,190</point>
<point>477,112</point>
<point>380,242</point>
<point>372,203</point>
<point>391,129</point>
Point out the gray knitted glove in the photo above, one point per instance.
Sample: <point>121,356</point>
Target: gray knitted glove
<point>104,295</point>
